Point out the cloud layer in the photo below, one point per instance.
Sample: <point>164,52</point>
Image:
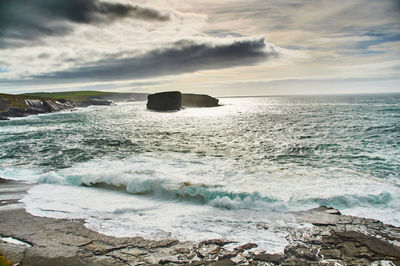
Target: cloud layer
<point>29,20</point>
<point>196,44</point>
<point>90,40</point>
<point>181,57</point>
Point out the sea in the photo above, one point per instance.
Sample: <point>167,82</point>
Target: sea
<point>238,172</point>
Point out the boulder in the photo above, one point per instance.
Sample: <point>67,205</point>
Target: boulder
<point>199,100</point>
<point>165,101</point>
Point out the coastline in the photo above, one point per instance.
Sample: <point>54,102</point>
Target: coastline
<point>23,105</point>
<point>329,238</point>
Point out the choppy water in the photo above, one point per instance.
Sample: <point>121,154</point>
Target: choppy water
<point>235,171</point>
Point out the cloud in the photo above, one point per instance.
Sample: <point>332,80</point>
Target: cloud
<point>53,43</point>
<point>181,57</point>
<point>29,20</point>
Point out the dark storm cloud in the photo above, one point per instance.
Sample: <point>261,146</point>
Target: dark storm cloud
<point>22,20</point>
<point>185,56</point>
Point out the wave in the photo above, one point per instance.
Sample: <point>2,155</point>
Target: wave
<point>160,188</point>
<point>217,196</point>
<point>186,191</point>
<point>347,201</point>
<point>204,183</point>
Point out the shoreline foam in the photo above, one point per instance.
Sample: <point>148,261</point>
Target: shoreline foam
<point>329,238</point>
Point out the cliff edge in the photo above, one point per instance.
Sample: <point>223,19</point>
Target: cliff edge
<point>40,103</point>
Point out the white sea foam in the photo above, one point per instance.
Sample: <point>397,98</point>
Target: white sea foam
<point>121,214</point>
<point>152,197</point>
<point>14,241</point>
<point>194,182</point>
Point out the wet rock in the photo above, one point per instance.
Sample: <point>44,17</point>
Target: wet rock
<point>330,254</point>
<point>200,262</point>
<point>210,251</point>
<point>301,252</point>
<point>218,242</point>
<point>333,211</point>
<point>246,247</point>
<point>262,226</point>
<point>51,256</point>
<point>166,261</point>
<point>166,243</point>
<point>182,250</point>
<point>165,101</point>
<point>356,244</point>
<point>274,258</point>
<point>225,262</point>
<point>227,254</point>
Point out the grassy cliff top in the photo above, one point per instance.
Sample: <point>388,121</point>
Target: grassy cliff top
<point>76,96</point>
<point>18,100</point>
<point>69,95</point>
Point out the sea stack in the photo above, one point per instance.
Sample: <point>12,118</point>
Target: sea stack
<point>165,101</point>
<point>198,100</point>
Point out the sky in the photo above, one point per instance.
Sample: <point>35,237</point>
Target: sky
<point>221,48</point>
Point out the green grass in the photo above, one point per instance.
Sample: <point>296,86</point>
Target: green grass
<point>69,95</point>
<point>18,100</point>
<point>4,261</point>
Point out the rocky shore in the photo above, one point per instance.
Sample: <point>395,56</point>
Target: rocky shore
<point>41,106</point>
<point>328,238</point>
<point>32,104</point>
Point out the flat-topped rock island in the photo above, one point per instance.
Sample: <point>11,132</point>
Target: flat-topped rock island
<point>175,100</point>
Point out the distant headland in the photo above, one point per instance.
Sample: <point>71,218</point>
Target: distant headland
<point>22,105</point>
<point>39,103</point>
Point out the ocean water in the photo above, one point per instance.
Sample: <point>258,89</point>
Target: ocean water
<point>238,171</point>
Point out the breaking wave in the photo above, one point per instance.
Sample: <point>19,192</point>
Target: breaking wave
<point>217,195</point>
